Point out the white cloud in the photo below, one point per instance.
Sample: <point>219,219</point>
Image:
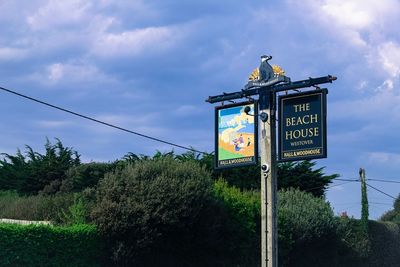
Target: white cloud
<point>387,85</point>
<point>73,72</point>
<point>384,104</point>
<point>357,15</point>
<point>59,13</point>
<point>389,56</point>
<point>366,26</point>
<point>186,110</point>
<point>9,53</point>
<point>52,124</point>
<point>347,13</point>
<point>131,43</point>
<point>55,72</point>
<point>384,157</point>
<point>362,85</point>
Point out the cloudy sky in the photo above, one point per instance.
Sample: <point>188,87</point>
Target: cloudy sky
<point>149,65</point>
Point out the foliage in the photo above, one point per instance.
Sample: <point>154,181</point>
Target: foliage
<point>39,245</point>
<point>37,208</point>
<point>303,176</point>
<point>13,171</point>
<point>385,244</point>
<point>146,206</point>
<point>37,172</point>
<point>364,205</point>
<point>76,213</point>
<point>307,229</point>
<point>355,242</point>
<point>394,214</point>
<point>244,222</point>
<point>380,248</point>
<point>85,175</point>
<point>244,206</point>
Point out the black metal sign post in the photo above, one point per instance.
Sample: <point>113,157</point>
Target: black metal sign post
<point>266,82</point>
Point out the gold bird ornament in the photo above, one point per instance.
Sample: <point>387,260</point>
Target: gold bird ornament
<point>255,75</point>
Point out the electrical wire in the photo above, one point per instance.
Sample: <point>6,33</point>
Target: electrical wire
<point>385,181</point>
<point>338,184</point>
<point>380,203</point>
<point>349,180</point>
<point>101,122</point>
<point>380,191</point>
<point>323,186</point>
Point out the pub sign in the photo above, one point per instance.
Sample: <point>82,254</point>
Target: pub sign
<point>302,126</point>
<point>236,138</point>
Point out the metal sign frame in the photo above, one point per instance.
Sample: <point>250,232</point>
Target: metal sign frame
<point>321,93</point>
<point>254,160</point>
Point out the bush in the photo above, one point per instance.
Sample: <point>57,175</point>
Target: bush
<point>380,248</point>
<point>85,175</point>
<point>385,244</point>
<point>243,208</point>
<point>152,206</point>
<point>76,213</point>
<point>42,246</point>
<point>307,230</point>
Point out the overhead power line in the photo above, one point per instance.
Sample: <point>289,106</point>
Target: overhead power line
<point>338,184</point>
<point>380,191</point>
<point>385,181</point>
<point>327,187</point>
<point>101,122</point>
<point>380,203</point>
<point>348,180</point>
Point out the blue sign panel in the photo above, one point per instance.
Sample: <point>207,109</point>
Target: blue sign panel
<point>302,126</point>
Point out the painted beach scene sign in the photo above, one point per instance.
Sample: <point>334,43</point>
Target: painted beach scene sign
<point>236,135</point>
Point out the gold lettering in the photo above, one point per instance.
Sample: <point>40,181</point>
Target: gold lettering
<point>314,118</point>
<point>302,133</point>
<point>304,119</point>
<point>289,134</point>
<point>302,107</point>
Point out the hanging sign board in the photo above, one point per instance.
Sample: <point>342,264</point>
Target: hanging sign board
<point>236,139</point>
<point>302,126</point>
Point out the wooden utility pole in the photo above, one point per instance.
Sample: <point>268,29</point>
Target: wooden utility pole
<point>269,242</point>
<point>364,201</point>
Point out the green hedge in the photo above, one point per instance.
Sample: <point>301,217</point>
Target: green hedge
<point>243,223</point>
<point>385,244</point>
<point>39,245</point>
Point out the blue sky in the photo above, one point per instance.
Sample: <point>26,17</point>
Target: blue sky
<point>149,65</point>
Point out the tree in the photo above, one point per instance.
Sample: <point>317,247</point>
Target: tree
<point>303,176</point>
<point>394,214</point>
<point>13,171</point>
<point>35,172</point>
<point>300,175</point>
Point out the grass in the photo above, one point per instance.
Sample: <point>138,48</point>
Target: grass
<point>224,154</point>
<point>34,208</point>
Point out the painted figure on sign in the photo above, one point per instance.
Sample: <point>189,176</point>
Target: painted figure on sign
<point>241,141</point>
